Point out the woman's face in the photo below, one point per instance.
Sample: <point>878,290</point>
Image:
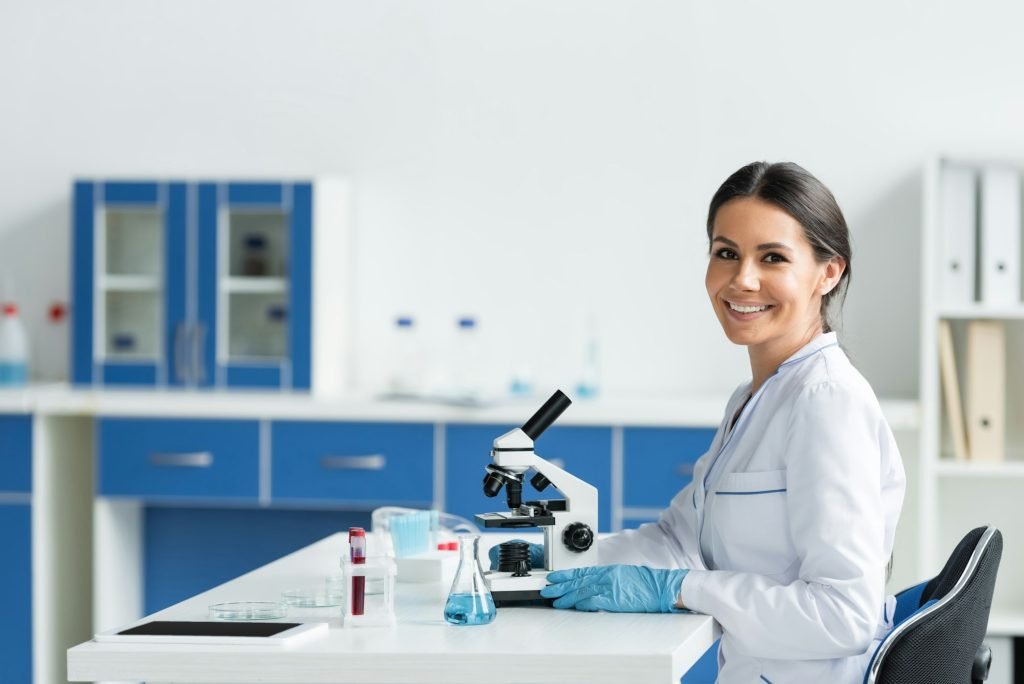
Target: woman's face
<point>763,279</point>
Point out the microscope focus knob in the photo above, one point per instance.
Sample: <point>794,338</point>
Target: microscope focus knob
<point>578,537</point>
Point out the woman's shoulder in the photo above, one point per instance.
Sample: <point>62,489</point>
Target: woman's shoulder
<point>830,375</point>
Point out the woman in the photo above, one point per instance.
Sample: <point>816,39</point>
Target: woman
<point>784,534</point>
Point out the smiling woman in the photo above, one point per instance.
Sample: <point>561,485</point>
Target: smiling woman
<point>785,532</point>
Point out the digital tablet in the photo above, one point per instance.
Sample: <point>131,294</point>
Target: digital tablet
<point>237,633</point>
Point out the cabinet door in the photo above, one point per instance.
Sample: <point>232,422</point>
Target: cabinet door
<point>657,463</point>
<point>162,459</point>
<point>586,452</point>
<point>16,454</point>
<point>16,588</point>
<point>255,284</point>
<point>368,464</point>
<point>128,265</point>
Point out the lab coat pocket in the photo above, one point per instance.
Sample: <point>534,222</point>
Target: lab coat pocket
<point>751,526</point>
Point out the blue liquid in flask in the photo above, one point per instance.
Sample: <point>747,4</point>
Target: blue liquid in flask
<point>469,609</point>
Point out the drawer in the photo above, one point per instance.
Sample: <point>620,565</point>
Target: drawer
<point>658,462</point>
<point>586,452</point>
<point>158,458</point>
<point>366,463</point>
<point>15,453</point>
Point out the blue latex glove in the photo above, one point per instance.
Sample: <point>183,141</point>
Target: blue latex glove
<point>616,588</point>
<point>536,554</point>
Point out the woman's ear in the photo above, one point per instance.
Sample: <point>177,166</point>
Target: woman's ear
<point>833,273</point>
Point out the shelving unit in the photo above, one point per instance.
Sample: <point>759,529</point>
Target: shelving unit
<point>957,495</point>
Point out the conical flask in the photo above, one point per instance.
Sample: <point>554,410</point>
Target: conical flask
<point>469,601</point>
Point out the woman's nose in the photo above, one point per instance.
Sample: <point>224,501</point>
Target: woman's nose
<point>746,277</point>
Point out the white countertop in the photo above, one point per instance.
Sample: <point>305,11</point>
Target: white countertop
<point>615,410</point>
<point>537,645</point>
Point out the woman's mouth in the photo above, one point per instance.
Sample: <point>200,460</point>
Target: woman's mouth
<point>746,312</point>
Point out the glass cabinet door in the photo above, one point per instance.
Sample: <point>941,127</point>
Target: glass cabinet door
<point>122,233</point>
<point>254,289</point>
<point>130,284</point>
<point>247,281</point>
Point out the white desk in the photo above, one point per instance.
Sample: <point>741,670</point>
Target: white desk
<point>537,645</point>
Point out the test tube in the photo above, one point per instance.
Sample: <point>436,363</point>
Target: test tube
<point>357,554</point>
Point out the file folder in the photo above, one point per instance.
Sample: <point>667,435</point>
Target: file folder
<point>999,240</point>
<point>986,390</point>
<point>958,213</point>
<point>951,391</point>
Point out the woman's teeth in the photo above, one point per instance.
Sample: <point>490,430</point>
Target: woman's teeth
<point>747,309</point>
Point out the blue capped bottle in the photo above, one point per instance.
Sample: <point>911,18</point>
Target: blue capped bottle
<point>469,601</point>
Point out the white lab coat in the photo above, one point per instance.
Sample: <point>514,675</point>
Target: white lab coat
<point>798,505</point>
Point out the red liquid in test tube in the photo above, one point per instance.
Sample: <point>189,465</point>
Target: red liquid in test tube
<point>357,554</point>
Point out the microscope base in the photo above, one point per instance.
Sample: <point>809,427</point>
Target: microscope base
<point>507,590</point>
<point>519,599</point>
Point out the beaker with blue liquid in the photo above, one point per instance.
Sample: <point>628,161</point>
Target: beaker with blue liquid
<point>469,601</point>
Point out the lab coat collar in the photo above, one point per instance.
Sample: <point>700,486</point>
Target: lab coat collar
<point>829,339</point>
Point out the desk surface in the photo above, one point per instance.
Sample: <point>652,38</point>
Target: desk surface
<point>522,645</point>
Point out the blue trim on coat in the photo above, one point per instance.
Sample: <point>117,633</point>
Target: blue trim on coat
<point>762,491</point>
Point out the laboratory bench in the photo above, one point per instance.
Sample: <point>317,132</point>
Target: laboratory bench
<point>128,501</point>
<point>535,644</point>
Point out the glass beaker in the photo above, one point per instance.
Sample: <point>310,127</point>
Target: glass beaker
<point>469,601</point>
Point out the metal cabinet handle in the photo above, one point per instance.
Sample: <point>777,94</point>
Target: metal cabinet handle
<point>198,367</point>
<point>197,459</point>
<point>368,462</point>
<point>180,353</point>
<point>685,469</point>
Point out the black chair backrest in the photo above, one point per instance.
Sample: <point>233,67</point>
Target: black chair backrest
<point>937,644</point>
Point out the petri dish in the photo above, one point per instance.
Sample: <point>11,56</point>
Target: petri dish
<point>311,598</point>
<point>248,610</point>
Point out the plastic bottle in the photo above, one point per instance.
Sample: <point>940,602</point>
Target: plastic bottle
<point>405,376</point>
<point>13,347</point>
<point>465,362</point>
<point>589,383</point>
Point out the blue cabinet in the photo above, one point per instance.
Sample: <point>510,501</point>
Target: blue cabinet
<point>16,542</point>
<point>208,284</point>
<point>168,459</point>
<point>657,463</point>
<point>583,451</point>
<point>361,464</point>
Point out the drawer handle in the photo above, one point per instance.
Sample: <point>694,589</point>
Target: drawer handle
<point>684,470</point>
<point>370,462</point>
<point>198,459</point>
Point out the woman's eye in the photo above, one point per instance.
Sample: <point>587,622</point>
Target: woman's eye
<point>773,258</point>
<point>725,253</point>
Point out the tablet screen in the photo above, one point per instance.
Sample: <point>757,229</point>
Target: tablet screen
<point>211,629</point>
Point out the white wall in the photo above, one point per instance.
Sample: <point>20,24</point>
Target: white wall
<point>523,161</point>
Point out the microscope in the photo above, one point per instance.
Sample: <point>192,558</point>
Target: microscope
<point>570,524</point>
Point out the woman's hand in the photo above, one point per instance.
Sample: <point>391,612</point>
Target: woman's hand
<point>616,588</point>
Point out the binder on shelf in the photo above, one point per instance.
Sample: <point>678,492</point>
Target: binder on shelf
<point>958,213</point>
<point>999,238</point>
<point>951,391</point>
<point>986,390</point>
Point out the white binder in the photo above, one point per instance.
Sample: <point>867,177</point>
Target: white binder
<point>986,390</point>
<point>1000,237</point>
<point>957,230</point>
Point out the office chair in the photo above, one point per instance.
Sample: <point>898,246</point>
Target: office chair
<point>940,624</point>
